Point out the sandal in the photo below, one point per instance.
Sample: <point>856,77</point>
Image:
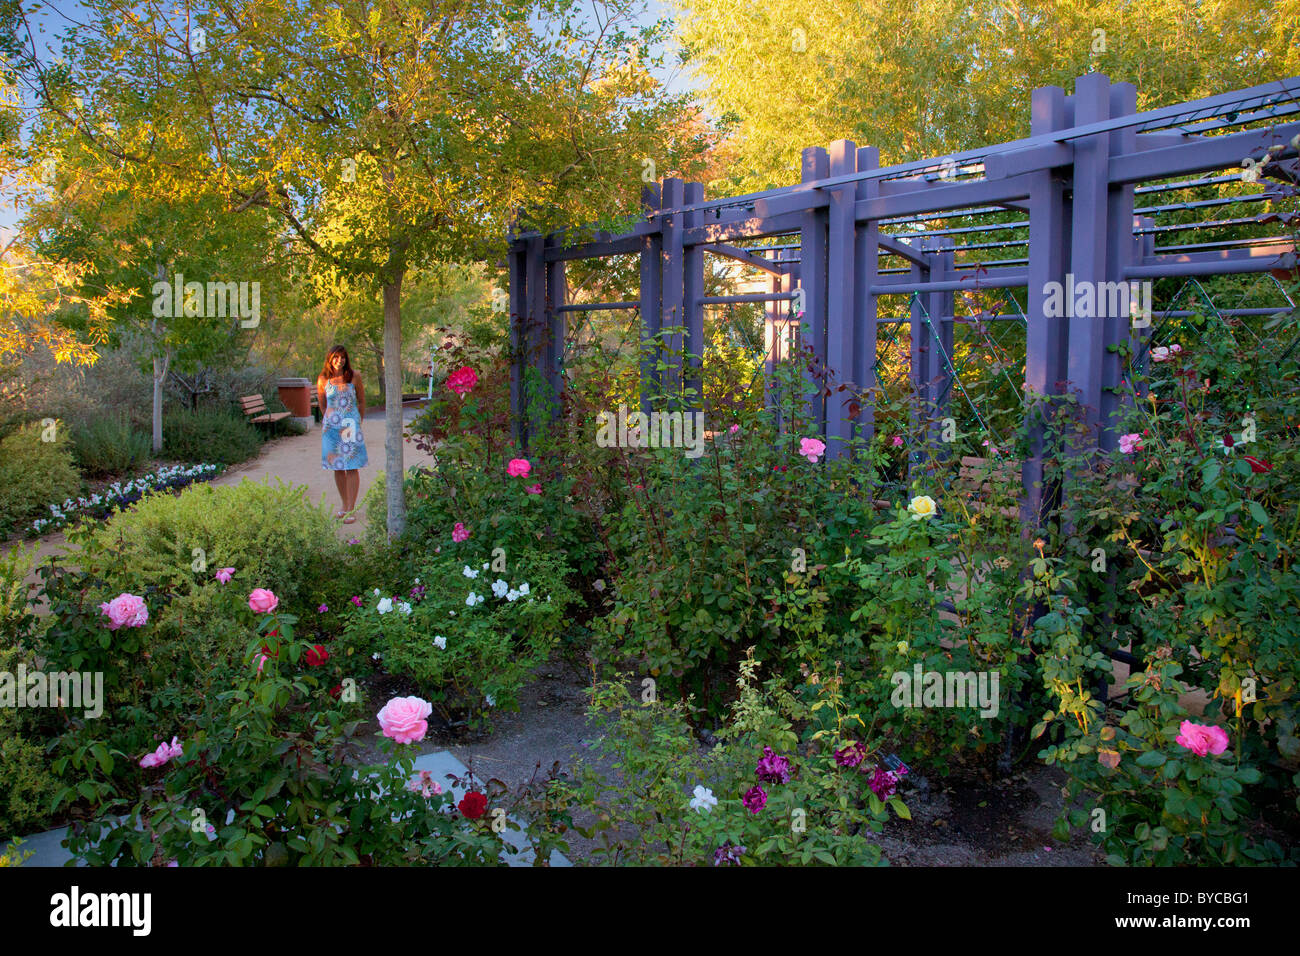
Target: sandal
<point>350,519</point>
<point>340,513</point>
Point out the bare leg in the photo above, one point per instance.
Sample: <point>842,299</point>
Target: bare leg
<point>341,482</point>
<point>353,486</point>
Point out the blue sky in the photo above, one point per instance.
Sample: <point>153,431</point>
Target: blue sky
<point>55,16</point>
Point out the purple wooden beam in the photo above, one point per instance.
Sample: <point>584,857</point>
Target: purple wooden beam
<point>1202,155</point>
<point>938,198</point>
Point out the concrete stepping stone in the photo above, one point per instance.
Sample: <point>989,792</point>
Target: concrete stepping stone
<point>47,848</point>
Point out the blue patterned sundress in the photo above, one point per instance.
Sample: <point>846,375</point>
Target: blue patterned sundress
<point>342,446</point>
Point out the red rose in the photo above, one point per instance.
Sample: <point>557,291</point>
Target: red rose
<point>473,805</point>
<point>336,691</point>
<point>1257,466</point>
<point>317,655</point>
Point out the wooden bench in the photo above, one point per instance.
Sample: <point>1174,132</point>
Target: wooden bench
<point>255,410</point>
<point>979,476</point>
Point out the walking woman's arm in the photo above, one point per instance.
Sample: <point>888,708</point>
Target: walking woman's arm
<point>361,399</point>
<point>320,394</point>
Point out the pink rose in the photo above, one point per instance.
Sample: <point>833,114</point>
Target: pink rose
<point>518,468</point>
<point>733,429</point>
<point>125,610</point>
<point>898,441</point>
<point>1130,443</point>
<point>459,533</point>
<point>262,601</point>
<point>163,754</point>
<point>811,448</point>
<point>1202,739</point>
<point>225,574</point>
<point>534,489</point>
<point>405,719</point>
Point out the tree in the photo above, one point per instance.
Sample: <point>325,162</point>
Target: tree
<point>391,135</point>
<point>925,79</point>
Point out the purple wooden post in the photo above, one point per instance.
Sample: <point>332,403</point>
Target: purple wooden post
<point>651,301</point>
<point>535,322</point>
<point>693,291</point>
<point>866,254</point>
<point>938,340</point>
<point>517,303</point>
<point>812,261</point>
<point>840,261</point>
<point>1089,231</point>
<point>671,289</point>
<point>1120,252</point>
<point>771,338</point>
<point>1044,338</point>
<point>555,330</point>
<point>918,366</point>
<point>1140,338</point>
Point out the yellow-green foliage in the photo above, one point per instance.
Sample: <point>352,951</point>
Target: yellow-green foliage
<point>35,473</point>
<point>272,535</point>
<point>26,784</point>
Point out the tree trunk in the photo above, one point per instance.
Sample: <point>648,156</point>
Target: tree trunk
<point>160,363</point>
<point>394,468</point>
<point>158,373</point>
<point>379,364</point>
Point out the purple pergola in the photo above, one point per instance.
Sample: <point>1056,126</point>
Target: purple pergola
<point>1073,182</point>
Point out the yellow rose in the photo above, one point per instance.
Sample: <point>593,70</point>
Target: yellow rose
<point>922,506</point>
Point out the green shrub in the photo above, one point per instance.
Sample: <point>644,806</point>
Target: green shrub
<point>808,809</point>
<point>265,760</point>
<point>109,445</point>
<point>26,783</point>
<point>210,434</point>
<point>487,649</point>
<point>35,473</point>
<point>168,548</point>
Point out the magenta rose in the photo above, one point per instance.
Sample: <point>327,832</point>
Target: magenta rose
<point>462,380</point>
<point>262,601</point>
<point>518,468</point>
<point>755,799</point>
<point>405,719</point>
<point>125,610</point>
<point>459,533</point>
<point>534,489</point>
<point>1202,739</point>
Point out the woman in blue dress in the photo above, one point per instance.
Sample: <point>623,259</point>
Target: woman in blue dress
<point>343,448</point>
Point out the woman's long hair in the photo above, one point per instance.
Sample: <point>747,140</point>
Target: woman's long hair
<point>327,373</point>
